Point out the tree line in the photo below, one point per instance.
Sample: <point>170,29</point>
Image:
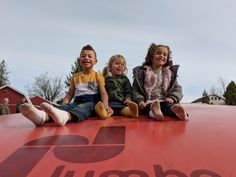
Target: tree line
<point>52,88</point>
<point>226,91</point>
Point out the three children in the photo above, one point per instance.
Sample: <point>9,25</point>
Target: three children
<point>155,90</point>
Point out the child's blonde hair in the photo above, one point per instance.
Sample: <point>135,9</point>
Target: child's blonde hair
<point>112,59</point>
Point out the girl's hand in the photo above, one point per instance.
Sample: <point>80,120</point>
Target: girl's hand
<point>126,102</point>
<point>142,105</point>
<point>108,108</point>
<point>169,100</point>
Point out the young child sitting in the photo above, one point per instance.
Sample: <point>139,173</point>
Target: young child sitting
<point>118,88</point>
<point>87,88</point>
<point>155,86</point>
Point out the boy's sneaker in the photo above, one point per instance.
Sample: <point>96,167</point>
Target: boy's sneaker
<point>180,112</point>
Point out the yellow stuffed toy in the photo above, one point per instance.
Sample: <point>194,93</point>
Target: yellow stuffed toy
<point>131,110</point>
<point>101,111</point>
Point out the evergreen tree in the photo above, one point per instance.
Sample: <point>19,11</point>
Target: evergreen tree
<point>205,97</point>
<point>230,94</point>
<point>74,69</point>
<point>4,74</point>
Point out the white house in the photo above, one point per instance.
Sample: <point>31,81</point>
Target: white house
<point>213,99</point>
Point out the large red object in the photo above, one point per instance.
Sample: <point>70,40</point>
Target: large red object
<point>204,146</point>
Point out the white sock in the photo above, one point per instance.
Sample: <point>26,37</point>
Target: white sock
<point>151,115</point>
<point>38,117</point>
<point>60,117</point>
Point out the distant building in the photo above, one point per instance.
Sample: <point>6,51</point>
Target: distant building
<point>37,100</point>
<point>14,96</point>
<point>213,99</point>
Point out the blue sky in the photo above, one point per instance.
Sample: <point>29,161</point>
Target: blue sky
<point>46,36</point>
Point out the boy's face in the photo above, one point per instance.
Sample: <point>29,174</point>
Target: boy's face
<point>87,59</point>
<point>160,57</point>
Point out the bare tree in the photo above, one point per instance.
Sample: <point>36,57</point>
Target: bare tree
<point>220,89</point>
<point>222,84</point>
<point>46,87</point>
<point>213,90</point>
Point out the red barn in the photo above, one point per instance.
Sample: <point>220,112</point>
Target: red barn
<point>37,100</point>
<point>13,95</point>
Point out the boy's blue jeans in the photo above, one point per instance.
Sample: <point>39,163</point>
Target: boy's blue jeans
<point>81,111</point>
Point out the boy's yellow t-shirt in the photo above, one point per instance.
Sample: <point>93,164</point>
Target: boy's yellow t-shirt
<point>84,84</point>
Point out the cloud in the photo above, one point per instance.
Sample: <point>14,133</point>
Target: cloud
<point>36,36</point>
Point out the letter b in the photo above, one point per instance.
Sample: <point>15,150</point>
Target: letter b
<point>160,173</point>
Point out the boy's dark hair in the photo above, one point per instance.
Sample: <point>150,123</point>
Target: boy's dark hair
<point>89,47</point>
<point>151,50</point>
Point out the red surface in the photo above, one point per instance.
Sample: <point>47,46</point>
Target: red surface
<point>204,146</point>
